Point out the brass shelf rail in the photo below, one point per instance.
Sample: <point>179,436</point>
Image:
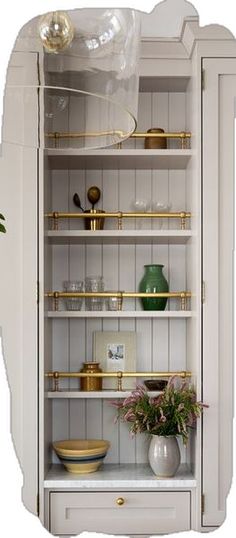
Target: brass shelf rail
<point>182,295</point>
<point>56,376</point>
<point>182,135</point>
<point>120,215</point>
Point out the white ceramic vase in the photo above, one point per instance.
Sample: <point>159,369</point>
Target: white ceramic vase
<point>164,455</point>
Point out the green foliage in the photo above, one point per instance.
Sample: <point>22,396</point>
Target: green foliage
<point>172,412</point>
<point>2,227</point>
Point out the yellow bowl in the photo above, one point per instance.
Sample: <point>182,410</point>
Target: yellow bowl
<point>81,456</point>
<point>81,447</point>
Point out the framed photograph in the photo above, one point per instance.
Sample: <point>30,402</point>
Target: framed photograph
<point>116,351</point>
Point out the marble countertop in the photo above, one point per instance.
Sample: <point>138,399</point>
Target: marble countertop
<point>119,476</point>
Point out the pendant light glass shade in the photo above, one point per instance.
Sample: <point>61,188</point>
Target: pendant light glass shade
<point>88,87</point>
<point>98,77</point>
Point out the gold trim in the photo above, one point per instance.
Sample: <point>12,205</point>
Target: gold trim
<point>119,215</point>
<point>56,135</point>
<point>93,214</point>
<point>119,375</point>
<point>182,295</point>
<point>119,294</point>
<point>57,375</point>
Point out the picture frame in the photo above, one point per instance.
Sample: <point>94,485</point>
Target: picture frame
<point>116,351</point>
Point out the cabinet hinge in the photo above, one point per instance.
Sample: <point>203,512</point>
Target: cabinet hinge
<point>203,79</point>
<point>203,503</point>
<point>38,504</point>
<point>203,292</point>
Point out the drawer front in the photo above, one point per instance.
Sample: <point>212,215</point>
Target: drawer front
<point>140,513</point>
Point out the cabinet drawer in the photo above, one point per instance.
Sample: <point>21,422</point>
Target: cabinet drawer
<point>140,513</point>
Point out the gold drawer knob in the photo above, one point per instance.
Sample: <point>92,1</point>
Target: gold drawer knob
<point>120,501</point>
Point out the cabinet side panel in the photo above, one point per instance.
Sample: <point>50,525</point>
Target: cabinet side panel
<point>219,100</point>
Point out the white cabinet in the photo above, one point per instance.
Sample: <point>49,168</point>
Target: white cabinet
<point>186,85</point>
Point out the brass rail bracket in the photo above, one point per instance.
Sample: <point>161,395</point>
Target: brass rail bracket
<point>119,215</point>
<point>120,295</point>
<point>121,135</point>
<point>56,376</point>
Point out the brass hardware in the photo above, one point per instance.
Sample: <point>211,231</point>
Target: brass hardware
<point>57,136</point>
<point>120,501</point>
<point>183,301</point>
<point>182,295</point>
<point>181,134</point>
<point>120,222</point>
<point>202,503</point>
<point>119,375</point>
<point>182,374</point>
<point>183,220</point>
<point>55,221</point>
<point>182,215</point>
<point>56,376</point>
<point>120,215</point>
<point>119,380</point>
<point>120,303</point>
<point>56,296</point>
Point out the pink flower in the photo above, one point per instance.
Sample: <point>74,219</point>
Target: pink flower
<point>129,416</point>
<point>135,396</point>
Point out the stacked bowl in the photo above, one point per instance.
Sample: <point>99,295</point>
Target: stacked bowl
<point>80,455</point>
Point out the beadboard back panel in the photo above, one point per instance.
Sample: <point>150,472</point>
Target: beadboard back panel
<point>161,343</point>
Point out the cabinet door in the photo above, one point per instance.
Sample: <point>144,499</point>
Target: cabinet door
<point>18,305</point>
<point>217,367</point>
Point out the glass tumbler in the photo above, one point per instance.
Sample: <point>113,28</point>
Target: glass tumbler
<point>94,284</point>
<point>73,286</point>
<point>113,303</point>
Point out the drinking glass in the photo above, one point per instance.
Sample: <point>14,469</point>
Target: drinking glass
<point>161,207</point>
<point>94,284</point>
<point>73,286</point>
<point>141,206</point>
<point>113,303</point>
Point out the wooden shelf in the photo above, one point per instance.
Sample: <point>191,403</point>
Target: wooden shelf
<point>119,159</point>
<point>121,237</point>
<point>103,394</point>
<point>179,314</point>
<point>119,476</point>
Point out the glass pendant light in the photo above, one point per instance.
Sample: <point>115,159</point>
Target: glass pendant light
<point>99,75</point>
<point>88,89</point>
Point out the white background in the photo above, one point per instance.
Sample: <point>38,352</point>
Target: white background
<point>14,519</point>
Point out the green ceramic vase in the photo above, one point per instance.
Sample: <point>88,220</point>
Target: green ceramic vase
<point>153,281</point>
